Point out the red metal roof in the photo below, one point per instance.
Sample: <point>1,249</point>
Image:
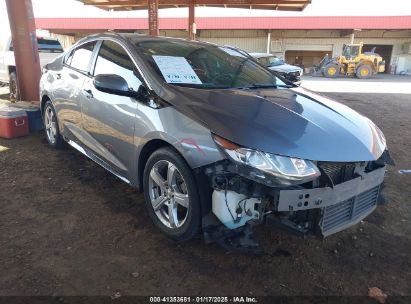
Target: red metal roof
<point>286,23</point>
<point>125,5</point>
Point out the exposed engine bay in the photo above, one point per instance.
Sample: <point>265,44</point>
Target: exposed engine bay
<point>340,197</point>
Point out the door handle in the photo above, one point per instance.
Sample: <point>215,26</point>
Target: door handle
<point>89,93</point>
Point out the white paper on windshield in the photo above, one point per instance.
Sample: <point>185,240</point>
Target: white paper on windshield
<point>176,69</point>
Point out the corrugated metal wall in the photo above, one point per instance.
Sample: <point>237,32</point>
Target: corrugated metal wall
<point>316,40</point>
<point>250,41</point>
<point>65,40</point>
<point>247,44</point>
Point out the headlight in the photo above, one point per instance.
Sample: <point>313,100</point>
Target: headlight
<point>286,170</point>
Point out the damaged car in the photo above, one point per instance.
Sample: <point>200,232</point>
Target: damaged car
<point>216,142</point>
<point>290,72</point>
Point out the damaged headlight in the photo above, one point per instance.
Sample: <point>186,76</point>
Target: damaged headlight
<point>286,170</point>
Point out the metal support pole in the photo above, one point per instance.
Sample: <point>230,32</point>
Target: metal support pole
<point>153,18</point>
<point>191,20</point>
<point>269,42</point>
<point>23,30</point>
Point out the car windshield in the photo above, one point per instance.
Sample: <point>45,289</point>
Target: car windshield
<point>201,65</point>
<point>274,61</point>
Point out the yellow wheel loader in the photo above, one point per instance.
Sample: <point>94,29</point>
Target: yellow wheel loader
<point>353,62</point>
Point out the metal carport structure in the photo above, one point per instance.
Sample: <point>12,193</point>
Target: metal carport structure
<point>23,29</point>
<point>154,5</point>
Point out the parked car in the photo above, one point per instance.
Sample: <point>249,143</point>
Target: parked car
<point>291,72</point>
<point>49,49</point>
<point>215,140</point>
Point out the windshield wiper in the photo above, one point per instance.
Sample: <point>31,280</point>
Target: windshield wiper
<point>264,85</point>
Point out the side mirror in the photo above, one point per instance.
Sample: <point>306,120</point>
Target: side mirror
<point>113,84</point>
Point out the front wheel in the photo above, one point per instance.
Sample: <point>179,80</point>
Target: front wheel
<point>331,70</point>
<point>171,195</point>
<point>13,87</point>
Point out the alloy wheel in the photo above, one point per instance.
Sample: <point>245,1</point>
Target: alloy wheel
<point>50,123</point>
<point>168,194</point>
<point>13,90</point>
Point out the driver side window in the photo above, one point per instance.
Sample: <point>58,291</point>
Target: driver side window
<point>113,59</point>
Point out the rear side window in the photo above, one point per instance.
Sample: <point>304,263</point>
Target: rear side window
<point>49,45</point>
<point>79,58</point>
<point>113,59</point>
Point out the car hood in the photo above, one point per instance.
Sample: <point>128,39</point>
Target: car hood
<point>285,68</point>
<point>291,122</point>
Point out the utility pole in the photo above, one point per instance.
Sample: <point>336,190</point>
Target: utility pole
<point>23,30</point>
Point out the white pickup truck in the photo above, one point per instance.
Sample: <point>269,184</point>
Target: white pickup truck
<point>49,48</point>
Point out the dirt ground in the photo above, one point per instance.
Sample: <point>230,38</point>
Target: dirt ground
<point>67,227</point>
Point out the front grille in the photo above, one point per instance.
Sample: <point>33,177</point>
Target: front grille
<point>293,74</point>
<point>338,173</point>
<point>341,215</point>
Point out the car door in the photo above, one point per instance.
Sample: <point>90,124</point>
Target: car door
<point>67,89</point>
<point>108,119</point>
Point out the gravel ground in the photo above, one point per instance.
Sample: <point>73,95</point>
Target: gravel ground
<point>67,227</point>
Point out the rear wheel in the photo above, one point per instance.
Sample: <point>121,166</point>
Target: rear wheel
<point>13,87</point>
<point>363,71</point>
<point>51,126</point>
<point>171,195</point>
<point>331,70</point>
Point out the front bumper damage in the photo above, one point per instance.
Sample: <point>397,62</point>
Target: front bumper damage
<point>341,206</point>
<point>322,207</point>
<point>293,76</point>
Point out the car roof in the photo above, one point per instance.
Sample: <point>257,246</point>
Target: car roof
<point>134,37</point>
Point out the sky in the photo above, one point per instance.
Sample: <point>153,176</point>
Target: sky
<point>72,8</point>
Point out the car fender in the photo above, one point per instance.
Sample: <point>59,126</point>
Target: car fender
<point>195,143</point>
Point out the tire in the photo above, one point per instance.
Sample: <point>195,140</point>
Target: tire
<point>51,127</point>
<point>166,167</point>
<point>13,87</point>
<point>363,71</point>
<point>331,70</point>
